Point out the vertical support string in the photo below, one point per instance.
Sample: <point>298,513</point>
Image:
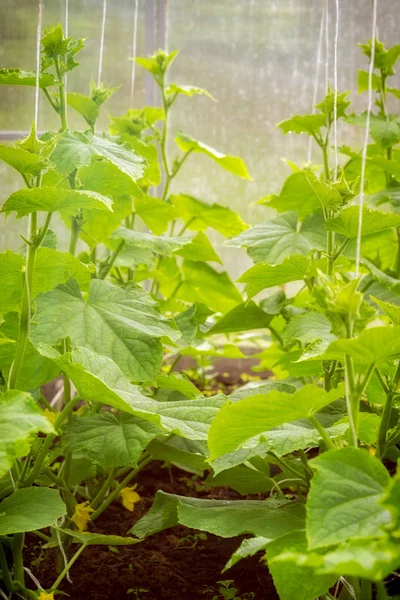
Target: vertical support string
<point>134,46</point>
<point>103,28</point>
<point>66,31</point>
<point>37,87</point>
<point>365,147</point>
<point>327,45</point>
<point>335,87</point>
<point>316,85</point>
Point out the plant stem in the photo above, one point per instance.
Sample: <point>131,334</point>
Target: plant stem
<point>63,105</point>
<point>111,260</point>
<point>5,571</point>
<point>386,415</point>
<point>366,590</point>
<point>323,433</point>
<point>397,265</point>
<point>17,546</point>
<point>74,236</point>
<point>111,497</point>
<point>98,499</point>
<point>67,567</point>
<point>174,362</point>
<point>381,589</point>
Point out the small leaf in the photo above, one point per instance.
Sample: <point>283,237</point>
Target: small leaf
<point>248,547</point>
<point>392,310</point>
<point>303,124</point>
<point>29,509</point>
<point>373,221</point>
<point>363,81</point>
<point>22,161</point>
<point>85,106</point>
<point>244,317</point>
<point>155,213</point>
<point>343,502</point>
<point>177,383</point>
<point>226,518</point>
<point>187,90</point>
<point>233,164</point>
<point>52,199</point>
<point>263,276</point>
<point>21,77</point>
<point>198,216</point>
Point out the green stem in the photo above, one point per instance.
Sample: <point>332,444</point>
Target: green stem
<point>5,571</point>
<point>98,499</point>
<point>276,335</point>
<point>17,547</point>
<point>74,236</point>
<point>54,106</point>
<point>67,567</point>
<point>25,318</point>
<point>397,265</point>
<point>111,497</point>
<point>63,103</point>
<point>285,466</point>
<point>174,362</point>
<point>111,260</point>
<point>366,590</point>
<point>381,589</point>
<point>353,402</point>
<point>323,433</point>
<point>386,415</point>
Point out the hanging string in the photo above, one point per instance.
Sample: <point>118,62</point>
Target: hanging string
<point>335,87</point>
<point>134,44</point>
<point>365,147</point>
<point>317,72</point>
<point>327,45</point>
<point>103,28</point>
<point>66,28</point>
<point>166,27</point>
<point>37,87</point>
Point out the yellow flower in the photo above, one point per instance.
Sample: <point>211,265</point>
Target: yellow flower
<point>50,415</point>
<point>46,596</point>
<point>82,515</point>
<point>129,497</point>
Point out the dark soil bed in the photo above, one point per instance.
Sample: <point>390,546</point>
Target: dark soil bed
<point>166,565</point>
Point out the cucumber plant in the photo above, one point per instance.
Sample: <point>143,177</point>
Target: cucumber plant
<point>101,317</point>
<point>322,433</point>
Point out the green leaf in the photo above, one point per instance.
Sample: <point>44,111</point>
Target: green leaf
<point>226,518</point>
<point>292,580</point>
<point>263,276</point>
<point>158,63</point>
<point>374,345</point>
<point>29,509</point>
<point>233,164</point>
<point>305,194</point>
<point>155,213</point>
<point>121,323</point>
<point>20,417</point>
<point>22,161</point>
<point>187,90</point>
<point>391,310</point>
<point>309,327</point>
<point>97,377</point>
<point>201,283</point>
<point>198,216</point>
<point>199,248</point>
<point>303,124</point>
<point>178,383</point>
<point>75,150</point>
<point>391,500</point>
<point>57,47</point>
<point>168,452</point>
<point>243,479</point>
<point>244,317</point>
<point>106,179</point>
<point>373,221</point>
<point>21,77</point>
<point>363,81</point>
<point>109,440</point>
<point>384,130</point>
<point>98,539</point>
<point>282,237</point>
<point>240,421</point>
<point>85,106</point>
<point>344,498</point>
<point>52,199</point>
<point>248,547</point>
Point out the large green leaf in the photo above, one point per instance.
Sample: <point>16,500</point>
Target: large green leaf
<point>374,345</point>
<point>304,193</point>
<point>29,509</point>
<point>292,580</point>
<point>309,327</point>
<point>384,130</point>
<point>282,237</point>
<point>240,421</point>
<point>201,283</point>
<point>344,499</point>
<point>51,268</point>
<point>109,440</point>
<point>373,221</point>
<point>263,276</point>
<point>168,452</point>
<point>20,417</point>
<point>98,377</point>
<point>75,149</point>
<point>21,77</point>
<point>199,216</point>
<point>21,160</point>
<point>233,164</point>
<point>244,317</point>
<point>242,478</point>
<point>120,322</point>
<point>52,199</point>
<point>226,518</point>
<point>155,213</point>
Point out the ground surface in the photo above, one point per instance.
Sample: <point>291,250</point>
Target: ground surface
<point>165,566</point>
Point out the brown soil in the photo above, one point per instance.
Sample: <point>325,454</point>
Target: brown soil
<point>166,566</point>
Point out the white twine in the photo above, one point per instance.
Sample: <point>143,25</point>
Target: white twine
<point>134,45</point>
<point>66,29</point>
<point>335,87</point>
<point>316,85</point>
<point>327,45</point>
<point>103,28</point>
<point>37,87</point>
<point>365,147</point>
